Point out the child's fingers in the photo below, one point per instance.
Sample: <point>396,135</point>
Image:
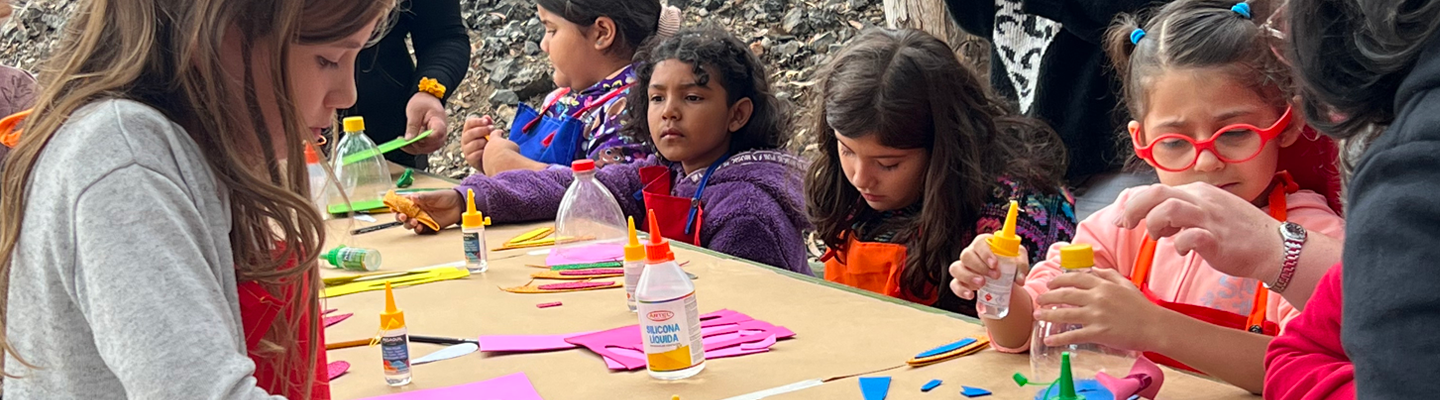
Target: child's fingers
<point>1084,281</point>
<point>1066,297</point>
<point>961,291</point>
<point>1067,338</point>
<point>965,275</point>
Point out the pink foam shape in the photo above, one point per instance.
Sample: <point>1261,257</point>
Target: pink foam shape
<point>527,343</point>
<point>760,345</point>
<point>1144,379</point>
<point>622,345</point>
<point>734,351</point>
<point>335,369</point>
<point>515,386</point>
<point>588,254</point>
<point>335,319</point>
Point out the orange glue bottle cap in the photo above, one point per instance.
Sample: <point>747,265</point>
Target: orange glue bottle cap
<point>658,250</point>
<point>634,251</point>
<point>392,318</point>
<point>1005,243</point>
<point>472,218</point>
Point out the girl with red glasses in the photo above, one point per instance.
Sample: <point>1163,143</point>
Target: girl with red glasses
<point>1212,116</point>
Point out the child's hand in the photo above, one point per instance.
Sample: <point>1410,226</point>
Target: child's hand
<point>1113,311</point>
<point>977,263</point>
<point>498,152</point>
<point>1227,231</point>
<point>444,206</point>
<point>474,138</point>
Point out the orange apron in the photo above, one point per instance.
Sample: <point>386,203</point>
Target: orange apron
<point>679,218</point>
<point>871,266</point>
<point>1255,322</point>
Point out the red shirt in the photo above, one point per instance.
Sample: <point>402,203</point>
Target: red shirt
<point>1307,361</point>
<point>258,310</point>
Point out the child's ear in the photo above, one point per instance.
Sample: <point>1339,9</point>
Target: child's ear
<point>1296,129</point>
<point>740,114</point>
<point>603,32</point>
<point>1134,129</point>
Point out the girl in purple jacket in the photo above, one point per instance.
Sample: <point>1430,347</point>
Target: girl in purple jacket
<point>716,129</point>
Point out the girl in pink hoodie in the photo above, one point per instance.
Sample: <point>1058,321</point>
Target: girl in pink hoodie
<point>1212,116</point>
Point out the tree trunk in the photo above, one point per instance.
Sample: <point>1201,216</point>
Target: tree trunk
<point>933,17</point>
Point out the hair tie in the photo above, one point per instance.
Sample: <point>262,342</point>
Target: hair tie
<point>670,20</point>
<point>1241,8</point>
<point>1136,35</point>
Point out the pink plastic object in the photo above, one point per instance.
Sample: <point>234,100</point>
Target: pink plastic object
<point>548,305</point>
<point>335,319</point>
<point>1144,380</point>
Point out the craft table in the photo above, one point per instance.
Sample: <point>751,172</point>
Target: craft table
<point>839,331</point>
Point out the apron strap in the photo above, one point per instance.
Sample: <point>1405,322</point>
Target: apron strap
<point>1255,322</point>
<point>704,181</point>
<point>548,105</point>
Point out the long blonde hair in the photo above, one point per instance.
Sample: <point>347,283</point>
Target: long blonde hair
<point>166,54</point>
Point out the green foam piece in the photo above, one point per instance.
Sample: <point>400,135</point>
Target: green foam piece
<point>386,147</point>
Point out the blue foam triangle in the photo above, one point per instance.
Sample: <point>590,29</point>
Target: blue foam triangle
<point>946,348</point>
<point>875,388</point>
<point>930,385</point>
<point>973,391</point>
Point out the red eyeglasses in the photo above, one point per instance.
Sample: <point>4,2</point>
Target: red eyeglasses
<point>1232,144</point>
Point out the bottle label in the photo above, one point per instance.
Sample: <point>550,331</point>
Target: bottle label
<point>633,270</point>
<point>671,331</point>
<point>474,248</point>
<point>995,295</point>
<point>395,351</point>
<point>352,259</point>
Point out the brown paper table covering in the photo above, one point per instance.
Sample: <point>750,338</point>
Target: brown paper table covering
<point>839,331</point>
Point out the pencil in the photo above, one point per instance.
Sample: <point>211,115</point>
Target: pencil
<point>348,344</point>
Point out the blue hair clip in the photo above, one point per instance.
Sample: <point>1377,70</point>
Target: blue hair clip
<point>1242,8</point>
<point>1136,35</point>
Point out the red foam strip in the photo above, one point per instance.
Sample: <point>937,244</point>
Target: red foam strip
<point>548,305</point>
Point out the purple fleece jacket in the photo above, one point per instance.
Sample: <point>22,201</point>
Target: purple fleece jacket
<point>754,205</point>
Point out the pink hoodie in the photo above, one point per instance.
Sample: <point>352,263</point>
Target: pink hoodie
<point>1176,278</point>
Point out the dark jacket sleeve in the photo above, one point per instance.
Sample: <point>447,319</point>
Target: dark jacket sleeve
<point>1391,304</point>
<point>976,17</point>
<point>1087,19</point>
<point>442,46</point>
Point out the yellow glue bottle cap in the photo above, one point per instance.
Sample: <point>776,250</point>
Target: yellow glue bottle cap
<point>472,218</point>
<point>354,124</point>
<point>392,318</point>
<point>1005,243</point>
<point>658,250</point>
<point>633,250</point>
<point>1077,256</point>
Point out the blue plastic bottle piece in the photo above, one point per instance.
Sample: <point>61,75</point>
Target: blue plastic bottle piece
<point>931,385</point>
<point>875,388</point>
<point>973,392</point>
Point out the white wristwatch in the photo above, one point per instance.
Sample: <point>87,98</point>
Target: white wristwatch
<point>1293,236</point>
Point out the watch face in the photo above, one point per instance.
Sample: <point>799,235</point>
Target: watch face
<point>1294,230</point>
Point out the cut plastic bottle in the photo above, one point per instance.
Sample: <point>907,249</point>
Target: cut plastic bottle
<point>365,180</point>
<point>1087,359</point>
<point>589,224</point>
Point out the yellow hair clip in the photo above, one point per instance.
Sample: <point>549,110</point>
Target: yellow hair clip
<point>431,86</point>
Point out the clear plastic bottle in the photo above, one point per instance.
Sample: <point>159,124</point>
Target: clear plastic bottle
<point>669,314</point>
<point>1086,358</point>
<point>317,178</point>
<point>589,221</point>
<point>473,227</point>
<point>353,258</point>
<point>634,265</point>
<point>994,297</point>
<point>394,342</point>
<point>363,180</point>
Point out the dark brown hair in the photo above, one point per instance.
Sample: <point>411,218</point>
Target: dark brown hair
<point>635,20</point>
<point>1350,57</point>
<point>736,69</point>
<point>1195,34</point>
<point>908,88</point>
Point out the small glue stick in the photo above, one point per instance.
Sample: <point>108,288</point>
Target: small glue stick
<point>472,225</point>
<point>634,265</point>
<point>394,342</point>
<point>994,297</point>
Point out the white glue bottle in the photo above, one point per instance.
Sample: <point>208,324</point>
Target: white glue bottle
<point>994,297</point>
<point>669,315</point>
<point>634,265</point>
<point>472,225</point>
<point>394,342</point>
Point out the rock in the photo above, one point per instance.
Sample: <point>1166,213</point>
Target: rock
<point>822,42</point>
<point>793,20</point>
<point>504,97</point>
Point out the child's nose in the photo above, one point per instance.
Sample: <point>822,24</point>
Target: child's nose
<point>1207,161</point>
<point>862,178</point>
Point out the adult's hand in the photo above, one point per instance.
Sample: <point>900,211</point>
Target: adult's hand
<point>1231,234</point>
<point>424,112</point>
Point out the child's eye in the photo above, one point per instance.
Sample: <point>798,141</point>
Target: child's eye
<point>326,63</point>
<point>692,98</point>
<point>656,98</point>
<point>890,167</point>
<point>846,152</point>
<point>1173,144</point>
